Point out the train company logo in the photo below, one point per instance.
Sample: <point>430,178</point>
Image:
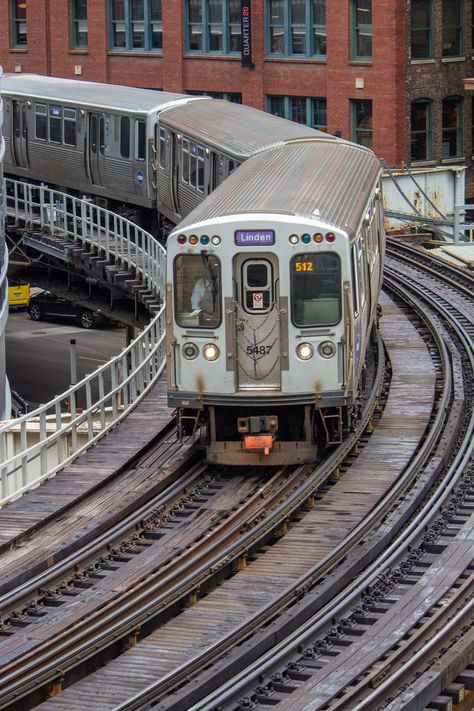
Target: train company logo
<point>139,177</point>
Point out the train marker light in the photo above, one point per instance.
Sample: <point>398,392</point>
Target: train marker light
<point>215,239</point>
<point>318,237</point>
<point>327,349</point>
<point>330,237</point>
<point>204,239</point>
<point>190,351</point>
<point>306,239</point>
<point>305,351</point>
<point>294,239</point>
<point>181,239</point>
<point>211,351</point>
<point>193,239</point>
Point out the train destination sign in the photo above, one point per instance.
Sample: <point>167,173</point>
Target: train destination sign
<point>254,238</point>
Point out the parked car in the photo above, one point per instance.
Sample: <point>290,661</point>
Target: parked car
<point>18,292</point>
<point>49,305</point>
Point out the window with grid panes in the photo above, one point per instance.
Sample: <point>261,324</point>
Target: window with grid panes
<point>213,26</point>
<point>136,25</point>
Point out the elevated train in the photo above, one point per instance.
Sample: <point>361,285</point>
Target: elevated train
<point>286,259</point>
<point>152,155</point>
<point>273,272</point>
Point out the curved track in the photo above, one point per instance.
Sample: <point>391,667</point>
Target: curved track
<point>299,579</point>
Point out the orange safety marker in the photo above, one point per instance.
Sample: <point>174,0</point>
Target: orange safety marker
<point>259,442</point>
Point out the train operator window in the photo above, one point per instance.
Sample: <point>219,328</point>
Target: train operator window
<point>197,291</point>
<point>41,122</point>
<point>257,285</point>
<point>315,289</point>
<point>55,120</point>
<point>70,127</point>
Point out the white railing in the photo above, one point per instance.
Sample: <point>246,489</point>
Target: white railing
<point>88,226</point>
<point>36,446</point>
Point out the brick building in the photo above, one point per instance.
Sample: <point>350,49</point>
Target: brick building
<point>386,73</point>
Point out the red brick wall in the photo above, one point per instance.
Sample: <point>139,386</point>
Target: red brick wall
<point>390,81</point>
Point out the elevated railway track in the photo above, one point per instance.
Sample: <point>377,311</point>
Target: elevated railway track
<point>171,585</point>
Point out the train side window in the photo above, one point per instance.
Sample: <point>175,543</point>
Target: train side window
<point>185,160</point>
<point>200,169</point>
<point>162,149</point>
<point>140,141</point>
<point>41,122</point>
<point>70,127</point>
<point>124,137</point>
<point>355,280</point>
<point>361,270</point>
<point>55,120</point>
<point>232,165</point>
<point>315,289</point>
<point>197,291</point>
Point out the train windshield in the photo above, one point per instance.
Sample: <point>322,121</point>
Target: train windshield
<point>197,290</point>
<point>316,289</point>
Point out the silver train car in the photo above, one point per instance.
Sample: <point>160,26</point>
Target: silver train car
<point>149,154</point>
<point>272,289</point>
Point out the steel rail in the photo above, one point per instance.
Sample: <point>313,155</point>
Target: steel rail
<point>122,620</point>
<point>277,656</point>
<point>183,673</point>
<point>119,530</point>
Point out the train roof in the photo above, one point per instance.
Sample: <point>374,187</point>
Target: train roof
<point>234,129</point>
<point>104,96</point>
<point>327,180</point>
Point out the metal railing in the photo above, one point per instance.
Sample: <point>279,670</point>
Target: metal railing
<point>88,226</point>
<point>36,446</point>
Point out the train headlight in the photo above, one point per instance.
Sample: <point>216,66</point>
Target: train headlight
<point>215,239</point>
<point>327,349</point>
<point>211,351</point>
<point>305,351</point>
<point>190,351</point>
<point>294,239</point>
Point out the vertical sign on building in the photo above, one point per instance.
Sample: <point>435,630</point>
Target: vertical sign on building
<point>246,33</point>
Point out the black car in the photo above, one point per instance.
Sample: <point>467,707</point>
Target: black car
<point>48,305</point>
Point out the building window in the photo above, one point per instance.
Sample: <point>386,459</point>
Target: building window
<point>136,25</point>
<point>296,27</point>
<point>213,26</point>
<point>421,137</point>
<point>452,28</point>
<point>301,109</point>
<point>361,29</point>
<point>78,24</point>
<point>453,121</point>
<point>19,35</point>
<point>362,129</point>
<point>421,29</point>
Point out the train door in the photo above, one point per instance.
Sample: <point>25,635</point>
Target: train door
<point>257,322</point>
<point>20,134</point>
<point>96,148</point>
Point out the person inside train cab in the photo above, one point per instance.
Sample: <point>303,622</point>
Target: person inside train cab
<point>202,298</point>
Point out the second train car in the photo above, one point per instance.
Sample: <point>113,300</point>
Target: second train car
<point>272,289</point>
